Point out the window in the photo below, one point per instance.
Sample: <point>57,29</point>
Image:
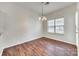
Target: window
<point>59,24</point>
<point>56,25</point>
<point>51,26</point>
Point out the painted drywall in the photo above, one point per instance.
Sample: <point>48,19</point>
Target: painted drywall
<point>78,30</point>
<point>69,28</point>
<point>78,26</point>
<point>21,25</point>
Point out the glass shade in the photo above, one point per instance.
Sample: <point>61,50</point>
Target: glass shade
<point>42,18</point>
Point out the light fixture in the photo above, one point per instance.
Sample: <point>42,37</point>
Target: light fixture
<point>43,18</point>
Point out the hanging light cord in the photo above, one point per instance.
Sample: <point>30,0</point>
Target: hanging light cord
<point>42,16</point>
<point>42,9</point>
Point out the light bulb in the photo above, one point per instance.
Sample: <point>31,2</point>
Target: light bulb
<point>42,18</point>
<point>39,18</point>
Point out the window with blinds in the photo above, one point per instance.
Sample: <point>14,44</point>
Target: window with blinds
<point>56,25</point>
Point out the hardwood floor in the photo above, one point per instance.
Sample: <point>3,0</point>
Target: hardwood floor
<point>41,47</point>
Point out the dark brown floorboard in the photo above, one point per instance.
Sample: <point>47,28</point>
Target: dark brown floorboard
<point>42,47</point>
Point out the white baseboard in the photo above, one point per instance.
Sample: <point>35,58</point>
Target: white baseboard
<point>20,42</point>
<point>61,40</point>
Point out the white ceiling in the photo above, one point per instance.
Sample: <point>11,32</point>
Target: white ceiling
<point>36,6</point>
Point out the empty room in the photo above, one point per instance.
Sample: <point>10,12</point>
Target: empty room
<point>38,29</point>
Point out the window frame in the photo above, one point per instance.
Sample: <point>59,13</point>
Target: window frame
<point>55,26</point>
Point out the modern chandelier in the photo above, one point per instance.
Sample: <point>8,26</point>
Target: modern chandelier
<point>43,18</point>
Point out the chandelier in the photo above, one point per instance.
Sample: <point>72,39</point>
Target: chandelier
<point>43,18</point>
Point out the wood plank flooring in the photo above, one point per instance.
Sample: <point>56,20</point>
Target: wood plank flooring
<point>42,47</point>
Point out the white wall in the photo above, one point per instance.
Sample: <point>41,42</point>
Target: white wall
<point>69,14</point>
<point>78,29</point>
<point>21,25</point>
<point>78,26</point>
